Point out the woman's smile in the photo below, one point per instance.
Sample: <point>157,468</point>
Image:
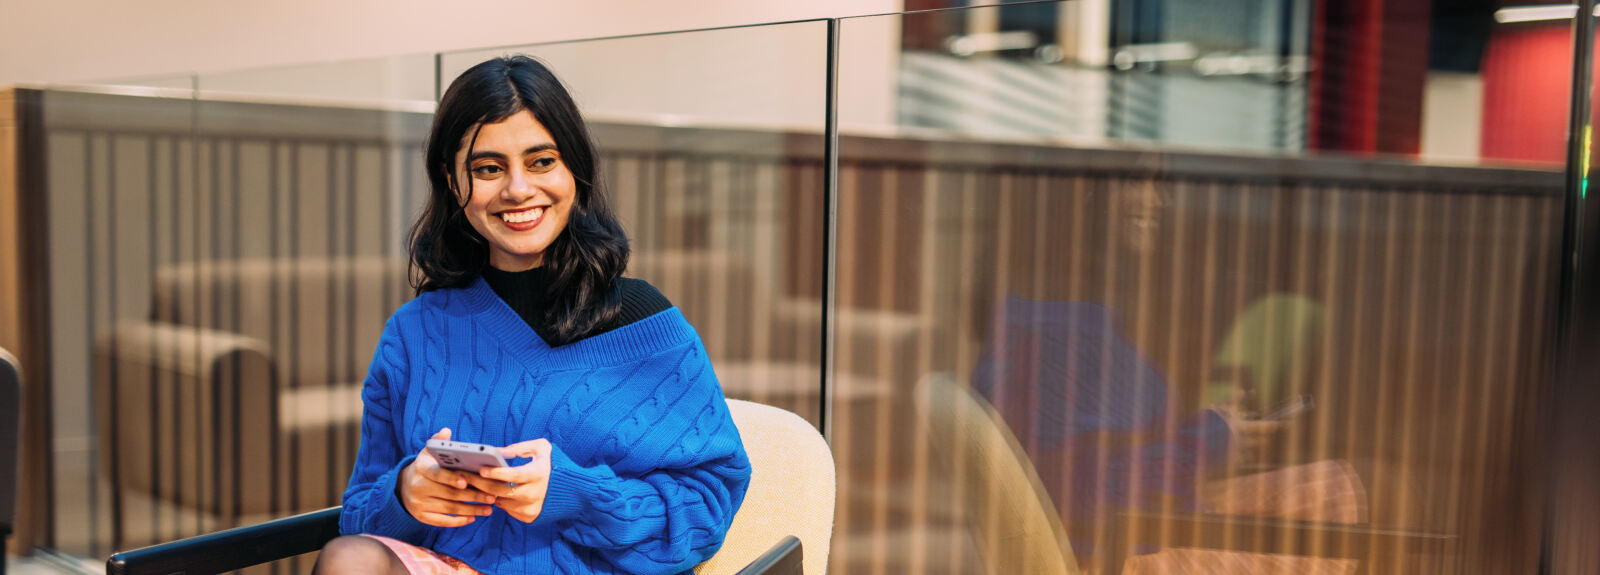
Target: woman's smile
<point>522,220</point>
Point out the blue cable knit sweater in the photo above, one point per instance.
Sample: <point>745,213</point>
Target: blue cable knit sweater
<point>647,468</point>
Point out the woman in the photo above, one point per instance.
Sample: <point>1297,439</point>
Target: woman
<point>524,334</point>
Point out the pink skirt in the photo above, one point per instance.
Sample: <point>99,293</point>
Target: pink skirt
<point>423,561</point>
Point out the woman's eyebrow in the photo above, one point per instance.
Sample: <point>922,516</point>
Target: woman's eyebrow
<point>477,154</point>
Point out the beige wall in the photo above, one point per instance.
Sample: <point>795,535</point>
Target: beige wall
<point>80,40</point>
<point>1452,117</point>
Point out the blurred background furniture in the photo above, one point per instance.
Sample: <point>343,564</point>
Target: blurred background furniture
<point>242,415</point>
<point>1015,526</point>
<point>1013,522</point>
<point>788,509</point>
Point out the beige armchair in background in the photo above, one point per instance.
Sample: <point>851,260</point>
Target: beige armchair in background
<point>238,399</point>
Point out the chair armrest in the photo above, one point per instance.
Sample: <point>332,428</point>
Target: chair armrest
<point>232,549</point>
<point>1269,535</point>
<point>183,349</point>
<point>785,558</point>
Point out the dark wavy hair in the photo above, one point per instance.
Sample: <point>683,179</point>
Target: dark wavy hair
<point>585,260</point>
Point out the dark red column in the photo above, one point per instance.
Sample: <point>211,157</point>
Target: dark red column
<point>1370,64</point>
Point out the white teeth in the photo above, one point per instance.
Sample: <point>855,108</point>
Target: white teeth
<point>520,217</point>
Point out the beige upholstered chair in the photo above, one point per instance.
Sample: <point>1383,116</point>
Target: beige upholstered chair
<point>1015,528</point>
<point>791,490</point>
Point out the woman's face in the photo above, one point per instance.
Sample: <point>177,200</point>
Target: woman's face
<point>521,190</point>
<point>1139,207</point>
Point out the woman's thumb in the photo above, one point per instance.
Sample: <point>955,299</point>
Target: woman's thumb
<point>442,434</point>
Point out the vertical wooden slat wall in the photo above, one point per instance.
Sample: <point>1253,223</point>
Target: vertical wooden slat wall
<point>1425,370</point>
<point>12,287</point>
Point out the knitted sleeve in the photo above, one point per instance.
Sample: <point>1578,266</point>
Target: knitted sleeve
<point>667,504</point>
<point>371,504</point>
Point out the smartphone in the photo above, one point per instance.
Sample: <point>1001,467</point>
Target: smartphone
<point>1294,406</point>
<point>463,456</point>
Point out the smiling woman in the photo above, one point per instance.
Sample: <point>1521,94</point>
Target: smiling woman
<point>524,334</point>
<point>508,126</point>
<point>517,192</point>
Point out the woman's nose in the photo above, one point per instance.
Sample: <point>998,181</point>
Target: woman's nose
<point>521,184</point>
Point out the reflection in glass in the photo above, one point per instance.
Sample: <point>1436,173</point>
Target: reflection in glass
<point>1175,335</point>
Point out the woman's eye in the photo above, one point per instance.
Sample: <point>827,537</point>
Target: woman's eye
<point>486,170</point>
<point>543,163</point>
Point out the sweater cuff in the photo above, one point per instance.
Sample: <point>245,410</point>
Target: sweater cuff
<point>570,491</point>
<point>392,519</point>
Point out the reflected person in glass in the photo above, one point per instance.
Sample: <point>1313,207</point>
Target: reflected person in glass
<point>1103,424</point>
<point>622,454</point>
<point>1106,426</point>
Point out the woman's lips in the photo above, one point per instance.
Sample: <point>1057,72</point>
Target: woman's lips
<point>523,220</point>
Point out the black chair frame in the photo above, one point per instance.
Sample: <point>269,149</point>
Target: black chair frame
<point>250,545</point>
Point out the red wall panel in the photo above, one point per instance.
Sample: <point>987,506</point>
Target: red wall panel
<point>1527,69</point>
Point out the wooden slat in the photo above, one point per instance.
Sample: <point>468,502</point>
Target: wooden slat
<point>11,279</point>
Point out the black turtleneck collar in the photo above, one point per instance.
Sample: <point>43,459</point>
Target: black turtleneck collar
<point>525,293</point>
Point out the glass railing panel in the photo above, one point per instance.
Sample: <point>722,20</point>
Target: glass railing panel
<point>222,261</point>
<point>116,166</point>
<point>1212,309</point>
<point>308,179</point>
<point>165,85</point>
<point>393,82</point>
<point>222,264</point>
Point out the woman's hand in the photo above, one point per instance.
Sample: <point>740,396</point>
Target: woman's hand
<point>519,490</point>
<point>437,496</point>
<point>1250,436</point>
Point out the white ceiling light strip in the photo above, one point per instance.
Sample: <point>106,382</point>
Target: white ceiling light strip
<point>1537,13</point>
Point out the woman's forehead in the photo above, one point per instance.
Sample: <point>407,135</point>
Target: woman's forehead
<point>518,130</point>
